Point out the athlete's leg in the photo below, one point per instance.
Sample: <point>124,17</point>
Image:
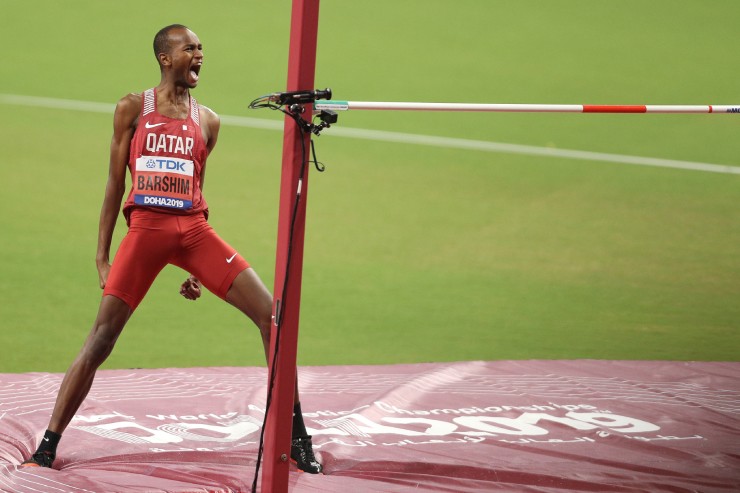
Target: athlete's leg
<point>249,294</point>
<point>112,316</point>
<point>140,257</point>
<point>143,253</point>
<point>226,274</point>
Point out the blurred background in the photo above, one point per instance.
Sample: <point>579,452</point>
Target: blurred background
<point>414,253</point>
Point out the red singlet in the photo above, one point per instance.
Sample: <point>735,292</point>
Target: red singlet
<point>166,211</point>
<point>166,161</point>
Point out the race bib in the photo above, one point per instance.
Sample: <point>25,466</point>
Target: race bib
<point>163,182</point>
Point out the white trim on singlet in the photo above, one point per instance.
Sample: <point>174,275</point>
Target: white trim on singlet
<point>194,113</point>
<point>149,102</point>
<point>150,106</point>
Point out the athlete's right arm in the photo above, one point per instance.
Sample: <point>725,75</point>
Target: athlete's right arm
<point>124,125</point>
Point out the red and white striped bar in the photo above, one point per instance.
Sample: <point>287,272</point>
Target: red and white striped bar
<point>524,108</point>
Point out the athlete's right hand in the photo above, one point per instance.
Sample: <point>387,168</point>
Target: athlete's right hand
<point>103,271</point>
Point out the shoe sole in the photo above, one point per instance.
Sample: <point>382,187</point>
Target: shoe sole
<point>301,470</point>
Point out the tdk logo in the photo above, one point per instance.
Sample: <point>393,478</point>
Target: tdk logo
<point>167,164</point>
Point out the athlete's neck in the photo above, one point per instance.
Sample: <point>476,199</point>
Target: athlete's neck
<point>173,101</point>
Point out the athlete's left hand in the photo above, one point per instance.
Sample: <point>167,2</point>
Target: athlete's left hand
<point>190,289</point>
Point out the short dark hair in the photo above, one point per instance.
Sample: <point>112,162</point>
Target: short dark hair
<point>162,41</point>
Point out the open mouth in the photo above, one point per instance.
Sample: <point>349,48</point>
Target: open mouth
<point>195,72</point>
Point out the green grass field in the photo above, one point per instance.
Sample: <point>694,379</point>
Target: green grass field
<point>413,253</point>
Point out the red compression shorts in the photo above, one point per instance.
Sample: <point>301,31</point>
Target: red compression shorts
<point>155,239</point>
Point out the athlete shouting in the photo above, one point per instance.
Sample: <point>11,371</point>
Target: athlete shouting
<point>163,136</point>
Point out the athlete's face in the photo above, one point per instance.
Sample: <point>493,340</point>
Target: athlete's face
<point>186,56</point>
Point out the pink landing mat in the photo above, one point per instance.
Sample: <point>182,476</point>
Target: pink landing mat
<point>515,426</point>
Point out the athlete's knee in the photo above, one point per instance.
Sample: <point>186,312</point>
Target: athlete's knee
<point>100,343</point>
<point>112,316</point>
<point>102,338</point>
<point>264,324</point>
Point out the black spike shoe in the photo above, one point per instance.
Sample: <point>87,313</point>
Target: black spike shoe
<point>301,451</point>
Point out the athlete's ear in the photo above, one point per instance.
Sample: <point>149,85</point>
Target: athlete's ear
<point>164,59</point>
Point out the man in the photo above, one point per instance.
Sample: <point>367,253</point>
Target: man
<point>164,137</point>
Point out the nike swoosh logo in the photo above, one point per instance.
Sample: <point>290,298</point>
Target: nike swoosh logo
<point>152,125</point>
<point>228,260</point>
<point>46,439</point>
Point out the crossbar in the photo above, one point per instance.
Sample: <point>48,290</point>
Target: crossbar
<point>337,105</point>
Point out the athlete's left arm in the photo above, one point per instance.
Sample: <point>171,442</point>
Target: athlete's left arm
<point>210,125</point>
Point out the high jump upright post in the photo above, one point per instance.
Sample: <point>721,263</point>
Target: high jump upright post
<point>289,255</point>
